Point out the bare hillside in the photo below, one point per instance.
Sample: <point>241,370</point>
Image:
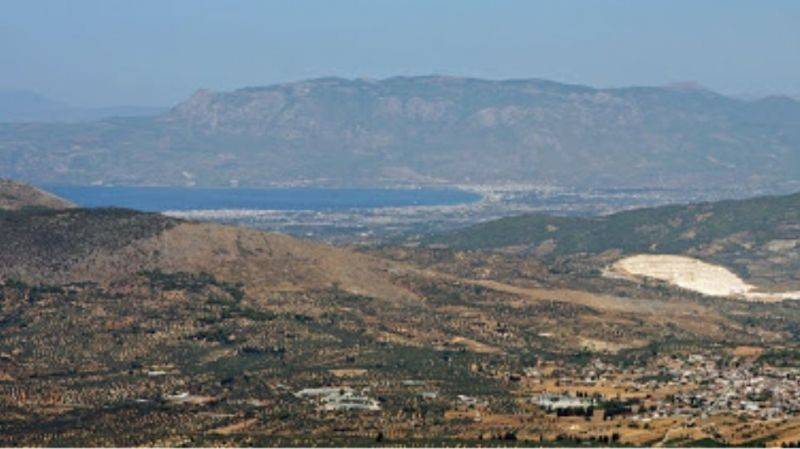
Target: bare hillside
<point>108,245</point>
<point>15,195</point>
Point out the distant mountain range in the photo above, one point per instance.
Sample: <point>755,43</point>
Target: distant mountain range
<point>23,106</point>
<point>424,130</point>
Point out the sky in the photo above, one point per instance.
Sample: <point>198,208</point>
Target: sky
<point>157,52</point>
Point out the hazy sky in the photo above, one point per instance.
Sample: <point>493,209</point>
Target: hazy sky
<point>108,52</point>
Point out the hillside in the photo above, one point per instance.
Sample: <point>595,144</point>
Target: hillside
<point>14,196</point>
<point>123,328</point>
<point>667,229</point>
<point>117,245</point>
<point>756,237</point>
<point>424,130</point>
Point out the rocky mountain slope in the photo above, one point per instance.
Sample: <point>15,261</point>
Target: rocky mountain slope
<point>424,130</point>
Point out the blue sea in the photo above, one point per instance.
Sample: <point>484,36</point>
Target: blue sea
<point>159,199</point>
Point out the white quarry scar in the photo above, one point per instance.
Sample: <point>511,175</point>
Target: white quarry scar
<point>693,274</point>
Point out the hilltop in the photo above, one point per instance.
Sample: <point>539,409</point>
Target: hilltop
<point>15,195</point>
<point>117,245</point>
<point>424,130</point>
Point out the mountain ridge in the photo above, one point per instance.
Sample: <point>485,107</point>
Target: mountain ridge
<point>423,130</point>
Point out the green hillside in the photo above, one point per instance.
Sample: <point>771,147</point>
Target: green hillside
<point>671,229</point>
<point>758,238</point>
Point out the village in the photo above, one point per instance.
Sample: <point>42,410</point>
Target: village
<point>697,386</point>
<point>673,399</point>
